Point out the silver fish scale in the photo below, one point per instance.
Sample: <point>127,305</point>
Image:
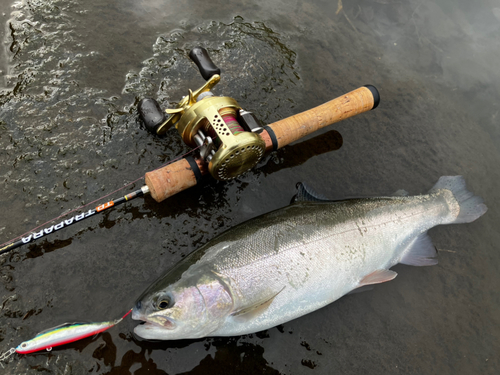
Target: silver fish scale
<point>311,254</point>
<point>293,261</point>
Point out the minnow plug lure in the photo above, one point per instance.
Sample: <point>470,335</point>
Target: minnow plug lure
<point>60,335</point>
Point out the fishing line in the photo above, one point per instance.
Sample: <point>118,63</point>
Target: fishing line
<point>12,243</point>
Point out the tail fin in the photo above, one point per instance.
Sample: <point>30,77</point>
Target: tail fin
<point>471,206</point>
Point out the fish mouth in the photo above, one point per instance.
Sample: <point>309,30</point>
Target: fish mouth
<point>153,322</point>
<point>153,326</point>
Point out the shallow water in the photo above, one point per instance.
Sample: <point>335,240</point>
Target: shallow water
<point>72,74</point>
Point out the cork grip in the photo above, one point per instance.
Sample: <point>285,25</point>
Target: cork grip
<point>173,178</point>
<point>295,127</point>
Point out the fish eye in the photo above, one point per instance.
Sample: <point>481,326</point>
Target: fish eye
<point>164,303</point>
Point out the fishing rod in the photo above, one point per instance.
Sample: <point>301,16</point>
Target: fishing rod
<point>228,140</point>
<point>74,219</point>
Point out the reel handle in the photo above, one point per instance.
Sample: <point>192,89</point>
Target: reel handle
<point>200,57</point>
<point>298,126</point>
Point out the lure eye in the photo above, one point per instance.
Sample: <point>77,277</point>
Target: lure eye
<point>24,345</point>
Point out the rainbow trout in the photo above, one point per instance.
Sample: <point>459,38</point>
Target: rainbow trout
<point>295,260</point>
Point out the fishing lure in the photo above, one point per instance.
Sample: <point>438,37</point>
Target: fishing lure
<point>60,335</point>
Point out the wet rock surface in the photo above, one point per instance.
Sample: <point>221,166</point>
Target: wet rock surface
<point>72,75</point>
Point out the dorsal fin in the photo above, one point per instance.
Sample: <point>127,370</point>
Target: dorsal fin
<point>306,194</point>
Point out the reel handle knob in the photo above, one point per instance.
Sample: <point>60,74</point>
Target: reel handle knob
<point>200,57</point>
<point>151,114</point>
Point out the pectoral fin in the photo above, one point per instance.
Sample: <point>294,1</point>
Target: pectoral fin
<point>377,277</point>
<point>251,311</point>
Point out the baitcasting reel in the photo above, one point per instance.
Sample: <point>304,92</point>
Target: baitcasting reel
<point>231,140</point>
<point>227,135</point>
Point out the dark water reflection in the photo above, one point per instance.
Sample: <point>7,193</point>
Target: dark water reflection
<point>73,73</point>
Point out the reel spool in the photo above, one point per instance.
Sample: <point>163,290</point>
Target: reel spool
<point>228,148</point>
<point>226,134</point>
